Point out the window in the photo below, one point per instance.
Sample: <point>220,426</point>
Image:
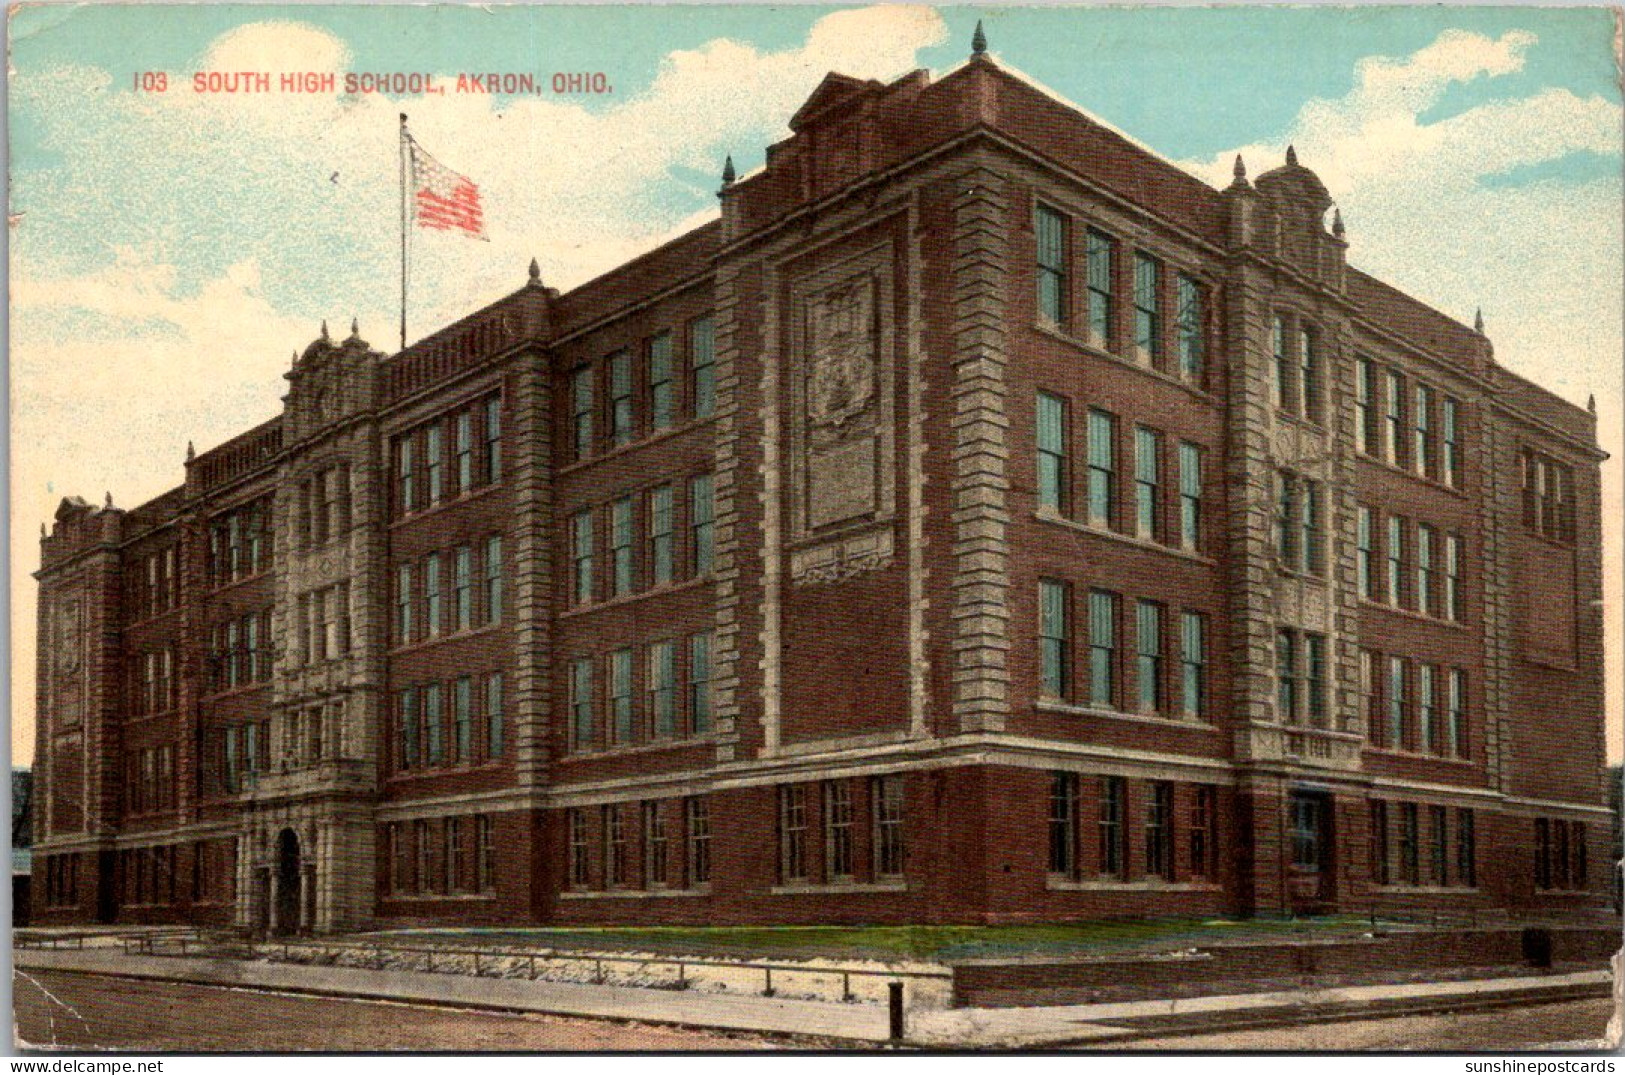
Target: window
<point>1148,667</point>
<point>406,485</point>
<point>454,854</point>
<point>1286,676</point>
<point>493,579</point>
<point>1424,569</point>
<point>1307,847</point>
<point>403,604</point>
<point>462,446</point>
<point>1438,846</point>
<point>1309,374</point>
<point>580,851</point>
<point>792,833</point>
<point>1112,795</point>
<point>1396,560</point>
<point>702,523</point>
<point>654,845</point>
<point>697,832</point>
<point>1466,848</point>
<point>662,688</point>
<point>1286,393</point>
<point>1051,453</point>
<point>660,383</point>
<point>462,587</point>
<point>462,717</point>
<point>623,721</point>
<point>1102,467</point>
<point>581,404</point>
<point>1398,704</point>
<point>406,722</point>
<point>1159,826</point>
<point>614,823</point>
<point>1099,270</point>
<point>1456,714</point>
<point>1063,824</point>
<point>1102,648</point>
<point>433,468</point>
<point>703,358</point>
<point>581,717</point>
<point>1454,599</point>
<point>1543,853</point>
<point>620,398</point>
<point>1188,300</point>
<point>493,438</point>
<point>1450,419</point>
<point>431,594</point>
<point>1427,707</point>
<point>1393,433</point>
<point>435,752</point>
<point>1369,701</point>
<point>1053,639</point>
<point>1299,536</point>
<point>1147,482</point>
<point>1314,677</point>
<point>1548,488</point>
<point>1049,228</point>
<point>1380,872</point>
<point>699,683</point>
<point>1422,456</point>
<point>1365,406</point>
<point>620,546</point>
<point>837,830</point>
<point>495,727</point>
<point>485,861</point>
<point>1147,312</point>
<point>1193,664</point>
<point>1190,496</point>
<point>581,542</point>
<point>1204,835</point>
<point>660,536</point>
<point>1579,868</point>
<point>1409,845</point>
<point>1364,553</point>
<point>1288,552</point>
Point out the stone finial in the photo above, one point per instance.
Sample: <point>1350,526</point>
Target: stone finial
<point>1291,156</point>
<point>1591,404</point>
<point>978,40</point>
<point>1239,172</point>
<point>728,173</point>
<point>355,328</point>
<point>191,452</point>
<point>535,271</point>
<point>1337,223</point>
<point>42,533</point>
<point>296,356</point>
<point>325,337</point>
<point>1478,320</point>
<point>107,506</point>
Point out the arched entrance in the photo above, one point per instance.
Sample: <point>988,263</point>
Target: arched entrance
<point>289,872</point>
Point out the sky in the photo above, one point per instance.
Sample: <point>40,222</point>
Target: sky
<point>169,251</point>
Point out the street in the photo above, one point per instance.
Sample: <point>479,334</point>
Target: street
<point>77,1011</point>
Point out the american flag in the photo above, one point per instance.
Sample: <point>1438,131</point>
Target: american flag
<point>442,199</point>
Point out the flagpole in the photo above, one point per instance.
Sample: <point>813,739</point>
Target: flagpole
<point>404,137</point>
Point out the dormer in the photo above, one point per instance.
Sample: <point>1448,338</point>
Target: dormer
<point>1297,201</point>
<point>329,381</point>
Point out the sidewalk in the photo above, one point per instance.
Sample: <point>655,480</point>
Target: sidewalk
<point>1106,1025</point>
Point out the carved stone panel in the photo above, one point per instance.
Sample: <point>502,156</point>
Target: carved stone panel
<point>67,662</point>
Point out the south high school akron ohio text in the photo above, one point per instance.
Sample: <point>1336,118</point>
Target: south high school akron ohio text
<point>389,82</point>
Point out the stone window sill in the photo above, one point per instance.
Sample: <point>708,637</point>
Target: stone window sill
<point>639,748</point>
<point>1045,515</point>
<point>1061,884</point>
<point>1057,332</point>
<point>637,595</point>
<point>838,888</point>
<point>637,893</point>
<point>654,437</point>
<point>1071,709</point>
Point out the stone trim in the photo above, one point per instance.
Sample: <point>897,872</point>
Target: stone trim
<point>725,551</point>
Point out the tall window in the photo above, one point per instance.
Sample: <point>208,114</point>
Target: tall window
<point>580,850</point>
<point>702,522</point>
<point>406,722</point>
<point>660,535</point>
<point>495,725</point>
<point>406,483</point>
<point>1188,299</point>
<point>1063,824</point>
<point>1314,677</point>
<point>462,446</point>
<point>462,717</point>
<point>654,845</point>
<point>1365,553</point>
<point>431,595</point>
<point>660,384</point>
<point>1148,666</point>
<point>1365,405</point>
<point>697,833</point>
<point>1309,374</point>
<point>581,404</point>
<point>1286,676</point>
<point>1159,830</point>
<point>1438,846</point>
<point>1398,703</point>
<point>493,579</point>
<point>837,830</point>
<point>1053,638</point>
<point>1466,848</point>
<point>620,546</point>
<point>1190,496</point>
<point>1393,430</point>
<point>1147,312</point>
<point>1307,848</point>
<point>1287,550</point>
<point>1424,569</point>
<point>663,688</point>
<point>1396,560</point>
<point>1051,452</point>
<point>1285,387</point>
<point>582,732</point>
<point>493,438</point>
<point>1450,419</point>
<point>792,832</point>
<point>462,587</point>
<point>1099,270</point>
<point>1113,793</point>
<point>1543,853</point>
<point>886,793</point>
<point>1454,599</point>
<point>1204,840</point>
<point>1422,457</point>
<point>1049,227</point>
<point>433,465</point>
<point>620,398</point>
<point>1427,699</point>
<point>1380,872</point>
<point>581,555</point>
<point>1369,699</point>
<point>703,358</point>
<point>1299,534</point>
<point>699,682</point>
<point>454,854</point>
<point>1456,713</point>
<point>1147,482</point>
<point>1193,664</point>
<point>622,718</point>
<point>485,859</point>
<point>434,731</point>
<point>1102,467</point>
<point>1102,648</point>
<point>614,818</point>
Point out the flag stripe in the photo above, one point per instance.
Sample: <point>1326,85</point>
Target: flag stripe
<point>443,199</point>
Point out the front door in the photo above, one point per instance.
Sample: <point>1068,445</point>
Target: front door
<point>287,917</point>
<point>1309,873</point>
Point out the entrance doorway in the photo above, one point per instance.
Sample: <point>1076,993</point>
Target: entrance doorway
<point>287,917</point>
<point>1309,880</point>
